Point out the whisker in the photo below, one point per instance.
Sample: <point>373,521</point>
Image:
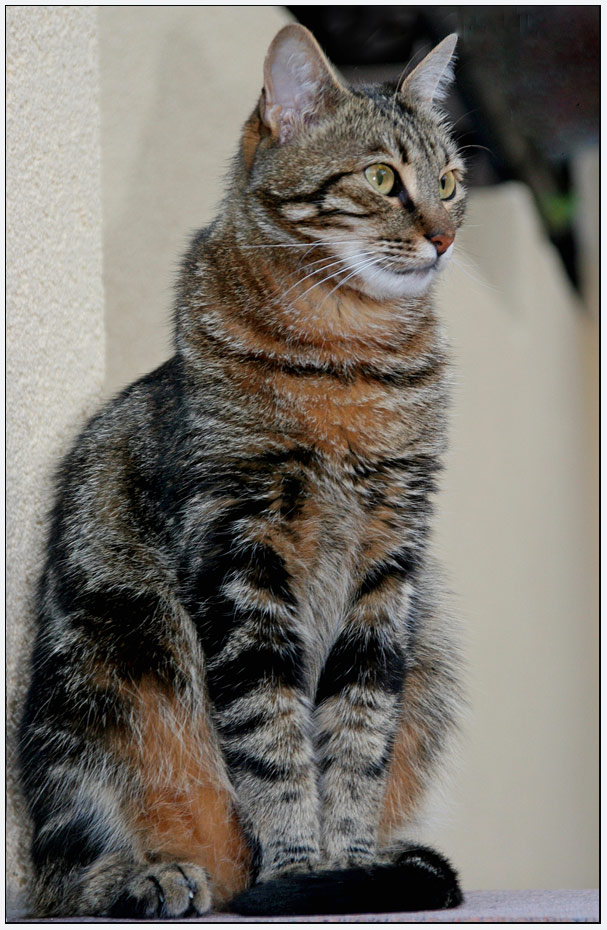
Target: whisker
<point>330,264</point>
<point>463,116</point>
<point>360,254</point>
<point>461,267</point>
<point>360,267</point>
<point>297,245</point>
<point>464,148</point>
<point>342,261</point>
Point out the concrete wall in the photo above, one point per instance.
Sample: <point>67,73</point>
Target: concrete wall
<point>518,532</point>
<point>55,330</point>
<point>176,85</point>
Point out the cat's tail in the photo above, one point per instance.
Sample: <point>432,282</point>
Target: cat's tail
<point>419,879</point>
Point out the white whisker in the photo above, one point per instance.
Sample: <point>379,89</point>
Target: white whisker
<point>461,267</point>
<point>360,267</point>
<point>340,261</point>
<point>299,245</point>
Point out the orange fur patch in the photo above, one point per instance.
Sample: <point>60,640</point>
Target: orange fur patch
<point>251,135</point>
<point>406,784</point>
<point>185,812</point>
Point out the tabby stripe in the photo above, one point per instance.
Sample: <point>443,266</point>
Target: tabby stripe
<point>359,848</point>
<point>401,564</point>
<point>292,497</point>
<point>327,222</point>
<point>241,762</point>
<point>239,675</point>
<point>217,623</point>
<point>336,211</point>
<point>364,659</point>
<point>396,377</point>
<point>315,195</point>
<point>399,377</point>
<point>419,470</point>
<point>299,454</point>
<point>404,154</point>
<point>71,843</point>
<point>227,558</point>
<point>293,853</point>
<point>369,770</point>
<point>231,729</point>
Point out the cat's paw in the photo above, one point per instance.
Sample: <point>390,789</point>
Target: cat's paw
<point>164,891</point>
<point>348,860</point>
<point>284,870</point>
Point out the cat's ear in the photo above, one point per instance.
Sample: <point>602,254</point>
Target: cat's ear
<point>428,82</point>
<point>299,82</point>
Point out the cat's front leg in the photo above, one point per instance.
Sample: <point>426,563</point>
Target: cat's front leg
<point>247,619</point>
<point>265,740</point>
<point>358,703</point>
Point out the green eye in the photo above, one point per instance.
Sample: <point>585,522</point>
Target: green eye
<point>447,186</point>
<point>380,177</point>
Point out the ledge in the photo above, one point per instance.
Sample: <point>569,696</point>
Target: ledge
<point>478,907</point>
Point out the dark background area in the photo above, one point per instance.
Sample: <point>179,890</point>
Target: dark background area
<point>526,99</point>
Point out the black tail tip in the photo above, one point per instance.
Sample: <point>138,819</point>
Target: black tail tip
<point>418,880</point>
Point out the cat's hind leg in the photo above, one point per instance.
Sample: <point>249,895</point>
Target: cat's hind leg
<point>131,812</point>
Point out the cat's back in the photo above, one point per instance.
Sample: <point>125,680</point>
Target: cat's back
<point>115,485</point>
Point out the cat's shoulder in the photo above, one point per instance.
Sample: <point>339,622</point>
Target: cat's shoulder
<point>143,415</point>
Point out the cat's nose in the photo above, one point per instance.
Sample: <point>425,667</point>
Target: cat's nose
<point>440,240</point>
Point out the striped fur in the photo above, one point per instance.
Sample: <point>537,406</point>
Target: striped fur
<point>243,668</point>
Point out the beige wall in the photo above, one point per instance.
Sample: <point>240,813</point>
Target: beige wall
<point>517,530</point>
<point>54,301</point>
<point>176,85</point>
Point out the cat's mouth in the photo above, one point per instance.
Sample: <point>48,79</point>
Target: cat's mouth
<point>418,270</point>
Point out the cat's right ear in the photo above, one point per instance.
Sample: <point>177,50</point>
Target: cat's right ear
<point>299,82</point>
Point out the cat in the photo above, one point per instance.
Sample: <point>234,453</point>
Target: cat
<point>244,679</point>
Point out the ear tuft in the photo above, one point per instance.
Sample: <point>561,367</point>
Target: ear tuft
<point>299,82</point>
<point>428,82</point>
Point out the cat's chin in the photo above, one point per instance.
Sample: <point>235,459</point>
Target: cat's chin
<point>384,283</point>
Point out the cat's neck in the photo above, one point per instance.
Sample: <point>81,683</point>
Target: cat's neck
<point>341,372</point>
<point>246,296</point>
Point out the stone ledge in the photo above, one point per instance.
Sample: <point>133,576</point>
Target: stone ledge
<point>579,906</point>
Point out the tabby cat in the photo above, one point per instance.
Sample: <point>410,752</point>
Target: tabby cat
<point>244,680</point>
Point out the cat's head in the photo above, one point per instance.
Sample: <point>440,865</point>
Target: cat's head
<point>372,174</point>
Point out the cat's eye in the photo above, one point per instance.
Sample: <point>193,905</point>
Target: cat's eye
<point>380,177</point>
<point>447,186</point>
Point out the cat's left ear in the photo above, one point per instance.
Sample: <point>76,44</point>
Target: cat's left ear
<point>299,83</point>
<point>428,82</point>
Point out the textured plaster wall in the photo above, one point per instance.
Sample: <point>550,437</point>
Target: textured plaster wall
<point>177,83</point>
<point>518,532</point>
<point>55,332</point>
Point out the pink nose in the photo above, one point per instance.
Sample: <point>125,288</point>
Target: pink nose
<point>441,241</point>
